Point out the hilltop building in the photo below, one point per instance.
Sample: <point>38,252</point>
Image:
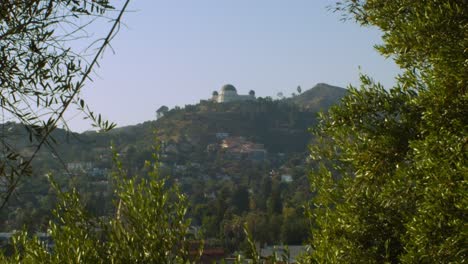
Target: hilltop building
<point>228,93</point>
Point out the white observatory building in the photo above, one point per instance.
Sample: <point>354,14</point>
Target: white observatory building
<point>228,93</point>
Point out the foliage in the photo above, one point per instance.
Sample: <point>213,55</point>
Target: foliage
<point>149,227</point>
<point>41,76</point>
<point>392,184</point>
<point>276,124</point>
<point>252,252</point>
<point>213,202</point>
<point>221,191</point>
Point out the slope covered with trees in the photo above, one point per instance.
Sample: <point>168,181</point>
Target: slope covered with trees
<point>224,188</point>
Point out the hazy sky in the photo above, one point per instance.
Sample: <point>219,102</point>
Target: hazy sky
<point>176,52</point>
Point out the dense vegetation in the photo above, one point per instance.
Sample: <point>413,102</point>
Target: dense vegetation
<point>42,73</point>
<point>393,181</point>
<point>390,185</point>
<point>147,209</point>
<point>223,190</point>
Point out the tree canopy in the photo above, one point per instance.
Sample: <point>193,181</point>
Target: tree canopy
<point>149,225</point>
<point>392,184</point>
<point>41,74</point>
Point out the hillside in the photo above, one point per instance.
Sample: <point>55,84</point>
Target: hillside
<point>279,124</point>
<point>320,97</point>
<point>236,160</point>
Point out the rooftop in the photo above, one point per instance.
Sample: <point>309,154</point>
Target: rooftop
<point>228,87</point>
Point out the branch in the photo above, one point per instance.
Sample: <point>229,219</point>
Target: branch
<point>66,104</point>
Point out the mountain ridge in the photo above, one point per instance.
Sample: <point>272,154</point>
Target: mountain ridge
<point>320,97</point>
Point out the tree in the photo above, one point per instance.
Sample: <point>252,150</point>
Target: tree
<point>392,181</point>
<point>280,95</point>
<point>41,76</point>
<point>240,199</point>
<point>149,226</point>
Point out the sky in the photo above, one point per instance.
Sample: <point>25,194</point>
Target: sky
<point>177,52</point>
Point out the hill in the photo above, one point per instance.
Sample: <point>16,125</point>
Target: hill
<point>238,160</point>
<point>320,97</point>
<point>279,124</point>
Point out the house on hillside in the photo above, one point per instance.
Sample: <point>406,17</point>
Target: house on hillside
<point>287,253</point>
<point>209,255</point>
<point>239,147</point>
<point>5,238</point>
<point>170,149</point>
<point>79,166</point>
<point>286,178</point>
<point>98,172</point>
<point>222,135</point>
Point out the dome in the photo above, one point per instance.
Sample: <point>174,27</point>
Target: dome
<point>215,93</point>
<point>228,87</point>
<point>252,93</point>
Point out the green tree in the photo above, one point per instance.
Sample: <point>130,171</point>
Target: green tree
<point>294,229</point>
<point>392,182</point>
<point>149,227</point>
<point>240,199</point>
<point>41,74</point>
